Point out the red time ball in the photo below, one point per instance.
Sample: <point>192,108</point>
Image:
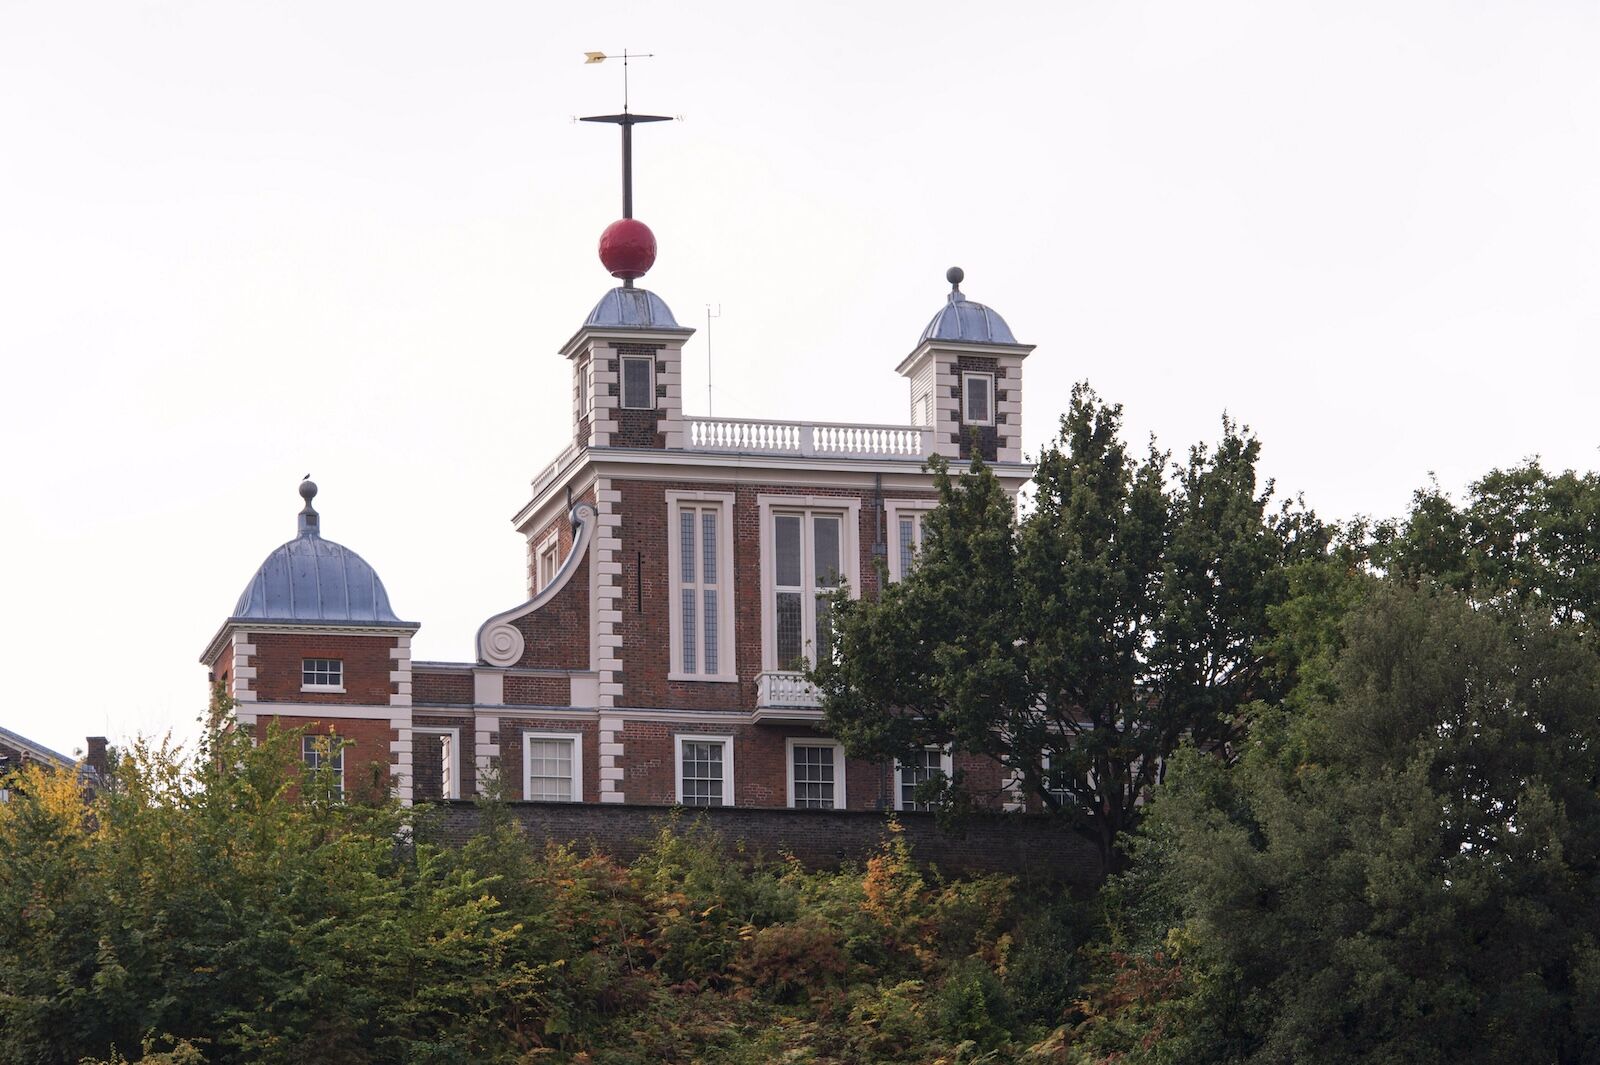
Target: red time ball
<point>628,248</point>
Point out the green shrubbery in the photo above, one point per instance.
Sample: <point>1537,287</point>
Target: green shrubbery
<point>218,912</point>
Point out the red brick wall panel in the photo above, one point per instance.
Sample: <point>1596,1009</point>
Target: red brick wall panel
<point>452,688</point>
<point>760,764</point>
<point>512,731</point>
<point>557,634</point>
<point>646,597</point>
<point>368,761</point>
<point>366,659</point>
<point>538,691</point>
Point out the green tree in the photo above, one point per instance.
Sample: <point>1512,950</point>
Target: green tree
<point>1405,871</point>
<point>1080,645</point>
<point>1524,535</point>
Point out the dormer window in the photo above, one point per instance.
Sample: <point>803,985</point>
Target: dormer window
<point>321,675</point>
<point>977,397</point>
<point>638,383</point>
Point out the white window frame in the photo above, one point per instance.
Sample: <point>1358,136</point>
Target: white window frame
<point>946,766</point>
<point>452,782</point>
<point>789,744</point>
<point>528,739</point>
<point>679,739</point>
<point>1067,798</point>
<point>727,665</point>
<point>339,687</point>
<point>849,508</point>
<point>336,754</point>
<point>582,387</point>
<point>894,510</point>
<point>966,409</point>
<point>622,382</point>
<point>550,543</point>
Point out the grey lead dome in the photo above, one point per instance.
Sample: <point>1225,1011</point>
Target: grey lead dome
<point>631,308</point>
<point>966,321</point>
<point>310,579</point>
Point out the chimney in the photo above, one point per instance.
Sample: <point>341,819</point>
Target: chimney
<point>95,758</point>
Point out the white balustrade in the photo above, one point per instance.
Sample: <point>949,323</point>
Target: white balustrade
<point>785,688</point>
<point>827,439</point>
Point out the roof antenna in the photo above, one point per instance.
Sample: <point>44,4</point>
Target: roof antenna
<point>709,316</point>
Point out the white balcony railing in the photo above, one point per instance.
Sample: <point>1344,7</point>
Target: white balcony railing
<point>827,439</point>
<point>785,689</point>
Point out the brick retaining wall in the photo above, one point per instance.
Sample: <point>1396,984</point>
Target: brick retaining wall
<point>1027,845</point>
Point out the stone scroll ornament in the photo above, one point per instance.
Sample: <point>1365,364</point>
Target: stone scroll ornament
<point>500,642</point>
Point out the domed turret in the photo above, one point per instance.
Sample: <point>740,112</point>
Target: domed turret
<point>310,579</point>
<point>966,380</point>
<point>964,321</point>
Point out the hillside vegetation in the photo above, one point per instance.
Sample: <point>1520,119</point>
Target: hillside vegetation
<point>218,914</point>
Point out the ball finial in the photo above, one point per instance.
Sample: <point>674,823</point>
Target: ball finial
<point>628,248</point>
<point>308,489</point>
<point>955,275</point>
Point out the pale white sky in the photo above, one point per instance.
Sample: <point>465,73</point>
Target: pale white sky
<point>239,242</point>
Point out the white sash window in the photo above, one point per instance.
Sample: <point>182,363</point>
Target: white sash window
<point>808,549</point>
<point>700,572</point>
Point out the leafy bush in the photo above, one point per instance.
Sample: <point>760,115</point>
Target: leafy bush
<point>217,910</point>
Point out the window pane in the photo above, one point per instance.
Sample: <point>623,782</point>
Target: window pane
<point>686,544</point>
<point>688,631</point>
<point>708,545</point>
<point>907,545</point>
<point>323,671</point>
<point>823,645</point>
<point>702,773</point>
<point>788,626</point>
<point>977,391</point>
<point>711,629</point>
<point>636,384</point>
<point>825,532</point>
<point>786,549</point>
<point>924,765</point>
<point>813,778</point>
<point>550,770</point>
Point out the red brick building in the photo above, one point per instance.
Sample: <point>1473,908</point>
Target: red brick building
<point>676,572</point>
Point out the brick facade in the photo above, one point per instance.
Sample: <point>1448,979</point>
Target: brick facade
<point>513,731</point>
<point>597,651</point>
<point>369,767</point>
<point>367,663</point>
<point>647,597</point>
<point>441,688</point>
<point>556,636</point>
<point>538,691</point>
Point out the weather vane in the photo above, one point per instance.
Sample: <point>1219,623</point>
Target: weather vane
<point>627,247</point>
<point>627,121</point>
